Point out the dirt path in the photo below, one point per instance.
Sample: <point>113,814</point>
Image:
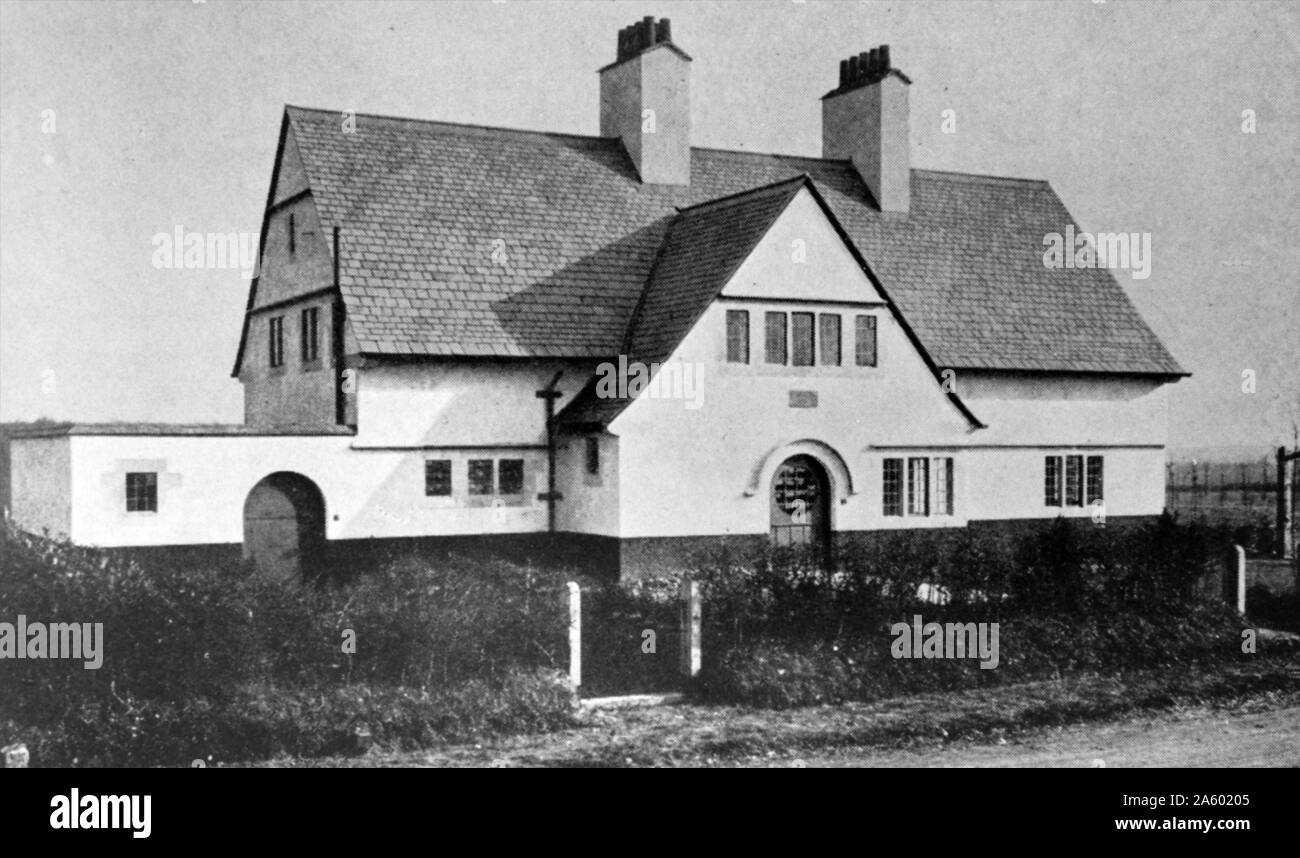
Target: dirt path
<point>1253,720</point>
<point>1198,737</point>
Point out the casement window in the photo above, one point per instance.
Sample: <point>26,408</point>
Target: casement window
<point>276,329</point>
<point>829,332</point>
<point>864,351</point>
<point>802,338</point>
<point>593,455</point>
<point>892,483</point>
<point>1074,480</point>
<point>774,324</point>
<point>480,476</point>
<point>737,336</point>
<point>918,486</point>
<point>310,334</point>
<point>926,490</point>
<point>1093,479</point>
<point>510,476</point>
<point>437,477</point>
<point>1052,481</point>
<point>292,235</point>
<point>1064,480</point>
<point>942,486</point>
<point>142,492</point>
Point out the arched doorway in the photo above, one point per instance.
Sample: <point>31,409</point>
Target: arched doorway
<point>801,514</point>
<point>284,525</point>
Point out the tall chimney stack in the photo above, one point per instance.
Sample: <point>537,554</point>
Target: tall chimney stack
<point>865,120</point>
<point>645,100</point>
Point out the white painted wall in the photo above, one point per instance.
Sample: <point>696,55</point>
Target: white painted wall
<point>457,403</point>
<point>687,471</point>
<point>592,502</point>
<point>829,272</point>
<point>707,470</point>
<point>40,485</point>
<point>204,481</point>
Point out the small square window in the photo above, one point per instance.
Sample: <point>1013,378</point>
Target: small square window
<point>511,476</point>
<point>437,477</point>
<point>142,492</point>
<point>480,476</point>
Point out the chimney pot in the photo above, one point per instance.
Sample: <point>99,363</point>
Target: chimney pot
<point>866,122</point>
<point>661,155</point>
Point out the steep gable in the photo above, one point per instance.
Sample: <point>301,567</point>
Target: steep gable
<point>733,246</point>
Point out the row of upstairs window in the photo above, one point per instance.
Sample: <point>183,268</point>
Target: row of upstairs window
<point>802,339</point>
<point>308,341</point>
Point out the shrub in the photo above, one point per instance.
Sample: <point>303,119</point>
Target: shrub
<point>190,654</point>
<point>263,721</point>
<point>781,633</point>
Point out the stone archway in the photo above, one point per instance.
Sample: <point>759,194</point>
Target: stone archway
<point>800,506</point>
<point>284,526</point>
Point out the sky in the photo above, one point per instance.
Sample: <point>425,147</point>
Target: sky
<point>123,120</point>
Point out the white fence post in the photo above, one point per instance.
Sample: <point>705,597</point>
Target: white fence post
<point>1241,579</point>
<point>575,635</point>
<point>691,626</point>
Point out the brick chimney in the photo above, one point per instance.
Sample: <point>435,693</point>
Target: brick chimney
<point>865,120</point>
<point>645,99</point>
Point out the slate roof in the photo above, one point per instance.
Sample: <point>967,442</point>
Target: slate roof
<point>463,240</point>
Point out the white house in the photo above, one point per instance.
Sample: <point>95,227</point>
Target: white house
<point>453,328</point>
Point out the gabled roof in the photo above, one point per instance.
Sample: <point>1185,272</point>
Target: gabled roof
<point>461,240</point>
<point>705,246</point>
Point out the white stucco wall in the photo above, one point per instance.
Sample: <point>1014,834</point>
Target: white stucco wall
<point>454,403</point>
<point>203,482</point>
<point>40,485</point>
<point>704,471</point>
<point>708,470</point>
<point>591,502</point>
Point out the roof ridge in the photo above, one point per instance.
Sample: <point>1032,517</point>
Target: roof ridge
<point>738,195</point>
<point>467,126</point>
<point>984,178</point>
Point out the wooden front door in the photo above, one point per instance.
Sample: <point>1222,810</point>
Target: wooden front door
<point>801,505</point>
